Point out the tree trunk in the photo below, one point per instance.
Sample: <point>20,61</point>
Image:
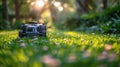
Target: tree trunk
<point>104,4</point>
<point>17,9</point>
<point>84,7</point>
<point>53,13</point>
<point>118,2</point>
<point>5,13</point>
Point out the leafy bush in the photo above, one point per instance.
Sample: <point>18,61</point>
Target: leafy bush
<point>16,25</point>
<point>73,22</point>
<point>3,24</point>
<point>107,21</point>
<point>111,20</point>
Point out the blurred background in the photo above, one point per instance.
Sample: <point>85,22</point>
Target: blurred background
<point>79,15</point>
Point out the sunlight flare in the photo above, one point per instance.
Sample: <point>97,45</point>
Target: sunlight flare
<point>60,8</point>
<point>38,3</point>
<point>57,4</point>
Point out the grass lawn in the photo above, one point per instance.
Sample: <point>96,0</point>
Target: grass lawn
<point>59,49</point>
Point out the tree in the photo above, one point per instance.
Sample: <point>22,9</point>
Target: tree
<point>84,5</point>
<point>17,5</point>
<point>57,13</point>
<point>5,13</point>
<point>104,4</point>
<point>87,2</point>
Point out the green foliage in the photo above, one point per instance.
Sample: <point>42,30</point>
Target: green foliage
<point>3,24</point>
<point>81,22</point>
<point>110,20</point>
<point>1,7</point>
<point>17,24</point>
<point>59,49</point>
<point>72,22</point>
<point>107,21</point>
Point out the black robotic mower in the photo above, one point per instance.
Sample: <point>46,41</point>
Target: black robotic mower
<point>32,29</point>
